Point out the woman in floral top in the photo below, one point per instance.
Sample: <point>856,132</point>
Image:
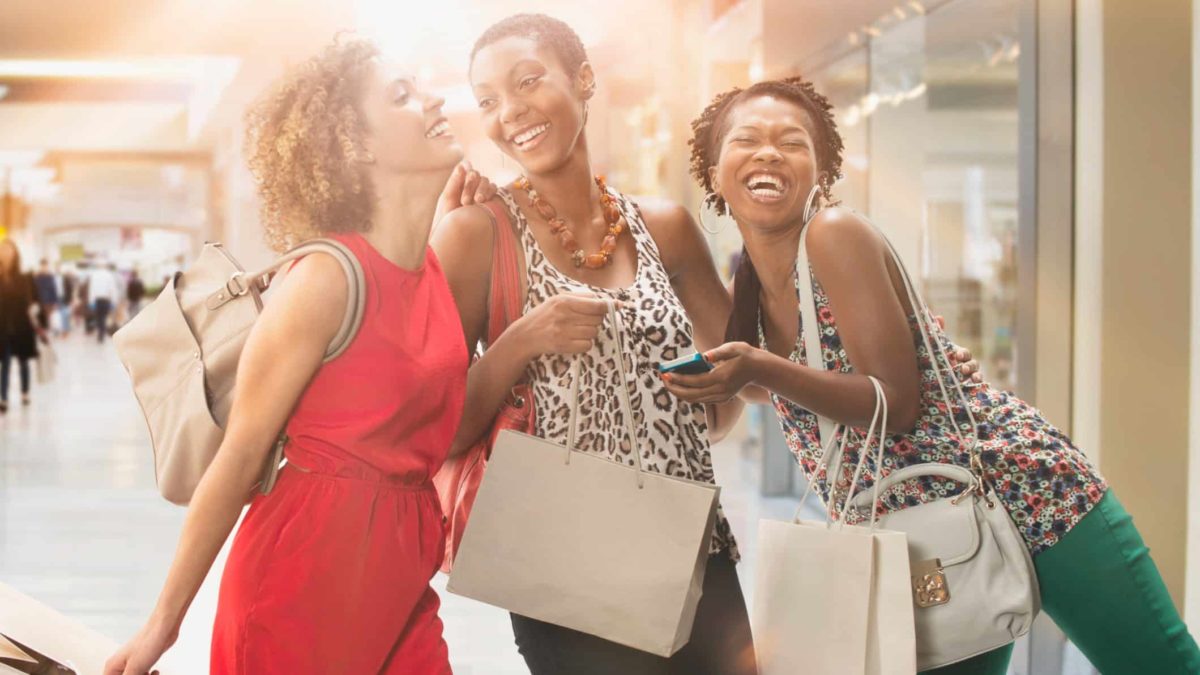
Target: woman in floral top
<point>761,153</point>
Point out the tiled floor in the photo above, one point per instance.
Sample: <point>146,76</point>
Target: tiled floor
<point>83,529</point>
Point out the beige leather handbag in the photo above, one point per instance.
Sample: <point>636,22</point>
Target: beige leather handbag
<point>182,353</point>
<point>974,585</point>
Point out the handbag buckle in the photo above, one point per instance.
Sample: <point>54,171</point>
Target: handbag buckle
<point>237,285</point>
<point>929,584</point>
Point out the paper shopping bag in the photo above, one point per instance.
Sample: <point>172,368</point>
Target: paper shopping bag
<point>579,544</point>
<point>812,598</point>
<point>37,639</point>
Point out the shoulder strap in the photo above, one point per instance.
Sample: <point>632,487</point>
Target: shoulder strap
<point>943,374</point>
<point>814,354</point>
<point>241,283</point>
<point>504,297</point>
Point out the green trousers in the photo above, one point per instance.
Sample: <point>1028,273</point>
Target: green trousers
<point>1100,586</point>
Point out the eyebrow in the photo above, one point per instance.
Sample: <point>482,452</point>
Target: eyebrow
<point>515,66</point>
<point>405,82</point>
<point>748,127</point>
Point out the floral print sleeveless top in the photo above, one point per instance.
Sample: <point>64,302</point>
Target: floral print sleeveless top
<point>1044,481</point>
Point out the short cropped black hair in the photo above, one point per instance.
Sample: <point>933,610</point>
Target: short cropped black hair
<point>542,29</point>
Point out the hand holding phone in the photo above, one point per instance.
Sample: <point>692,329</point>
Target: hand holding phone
<point>691,364</point>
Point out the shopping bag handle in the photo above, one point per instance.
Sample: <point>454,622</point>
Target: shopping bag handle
<point>617,343</point>
<point>826,458</point>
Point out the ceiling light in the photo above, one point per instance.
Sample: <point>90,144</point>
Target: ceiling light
<point>167,69</point>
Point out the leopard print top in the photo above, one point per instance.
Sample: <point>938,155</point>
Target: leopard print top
<point>672,434</point>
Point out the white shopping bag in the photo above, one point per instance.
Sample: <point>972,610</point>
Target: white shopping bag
<point>47,363</point>
<point>833,599</point>
<point>585,542</point>
<point>35,638</point>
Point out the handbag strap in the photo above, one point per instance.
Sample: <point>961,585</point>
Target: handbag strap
<point>504,298</point>
<point>941,470</point>
<point>241,283</point>
<point>616,343</point>
<point>811,335</point>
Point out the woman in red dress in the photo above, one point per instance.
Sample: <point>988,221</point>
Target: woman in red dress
<point>330,572</point>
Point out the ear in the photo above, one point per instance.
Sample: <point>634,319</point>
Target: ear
<point>585,81</point>
<point>713,181</point>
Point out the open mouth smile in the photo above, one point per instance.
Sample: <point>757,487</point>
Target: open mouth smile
<point>529,138</point>
<point>439,129</point>
<point>765,187</point>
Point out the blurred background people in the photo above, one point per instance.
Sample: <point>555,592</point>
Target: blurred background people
<point>47,285</point>
<point>135,293</point>
<point>18,305</point>
<point>104,290</point>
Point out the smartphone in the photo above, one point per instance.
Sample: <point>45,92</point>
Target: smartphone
<point>692,364</point>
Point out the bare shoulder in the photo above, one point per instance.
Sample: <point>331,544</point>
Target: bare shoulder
<point>673,229</point>
<point>468,221</point>
<point>464,238</point>
<point>839,231</point>
<point>320,278</point>
<point>664,217</point>
<point>310,300</point>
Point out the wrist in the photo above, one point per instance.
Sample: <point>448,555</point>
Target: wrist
<point>164,621</point>
<point>519,335</point>
<point>756,362</point>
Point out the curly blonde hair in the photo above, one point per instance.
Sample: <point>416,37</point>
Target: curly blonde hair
<point>304,144</point>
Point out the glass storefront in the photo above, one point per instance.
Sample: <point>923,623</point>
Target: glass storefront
<point>928,111</point>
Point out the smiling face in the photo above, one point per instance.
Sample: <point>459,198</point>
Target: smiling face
<point>406,130</point>
<point>530,106</point>
<point>767,162</point>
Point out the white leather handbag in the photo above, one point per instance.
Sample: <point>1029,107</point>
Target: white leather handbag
<point>182,353</point>
<point>973,582</point>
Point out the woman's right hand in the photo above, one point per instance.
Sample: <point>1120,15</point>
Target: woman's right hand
<point>139,655</point>
<point>567,323</point>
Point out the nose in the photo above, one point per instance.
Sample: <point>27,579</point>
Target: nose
<point>433,102</point>
<point>768,154</point>
<point>512,111</point>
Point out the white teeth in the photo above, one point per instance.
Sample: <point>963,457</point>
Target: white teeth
<point>438,129</point>
<point>530,134</point>
<point>764,181</point>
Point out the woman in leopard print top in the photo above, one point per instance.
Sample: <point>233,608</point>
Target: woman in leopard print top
<point>532,81</point>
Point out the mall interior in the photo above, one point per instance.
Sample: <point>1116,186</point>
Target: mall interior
<point>1034,160</point>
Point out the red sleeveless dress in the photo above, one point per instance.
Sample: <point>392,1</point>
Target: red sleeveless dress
<point>330,572</point>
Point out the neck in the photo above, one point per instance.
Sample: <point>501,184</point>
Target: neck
<point>773,253</point>
<point>403,215</point>
<point>570,188</point>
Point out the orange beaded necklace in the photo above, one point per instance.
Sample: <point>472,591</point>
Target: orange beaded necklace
<point>558,226</point>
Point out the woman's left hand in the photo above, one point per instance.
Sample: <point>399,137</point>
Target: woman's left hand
<point>734,365</point>
<point>961,359</point>
<point>465,187</point>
